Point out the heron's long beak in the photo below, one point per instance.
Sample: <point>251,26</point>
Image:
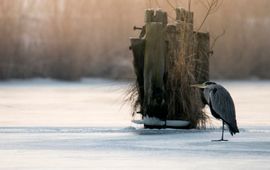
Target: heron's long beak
<point>201,86</point>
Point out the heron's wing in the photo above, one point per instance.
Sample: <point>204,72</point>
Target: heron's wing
<point>222,103</point>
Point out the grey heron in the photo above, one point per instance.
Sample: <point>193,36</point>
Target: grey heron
<point>221,105</point>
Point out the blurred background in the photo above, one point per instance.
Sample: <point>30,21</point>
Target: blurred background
<point>70,39</point>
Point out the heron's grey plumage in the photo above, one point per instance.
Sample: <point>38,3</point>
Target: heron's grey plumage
<point>221,105</point>
<point>221,102</point>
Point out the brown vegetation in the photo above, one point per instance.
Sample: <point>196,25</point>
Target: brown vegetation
<point>164,75</point>
<point>68,39</point>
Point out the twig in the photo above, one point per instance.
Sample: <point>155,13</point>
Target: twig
<point>216,39</point>
<point>218,5</point>
<point>212,7</point>
<point>189,5</point>
<point>171,5</point>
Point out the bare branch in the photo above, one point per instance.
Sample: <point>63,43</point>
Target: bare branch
<point>212,6</point>
<point>171,5</point>
<point>216,39</point>
<point>189,5</point>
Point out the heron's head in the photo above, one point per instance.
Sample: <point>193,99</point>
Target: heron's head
<point>204,85</point>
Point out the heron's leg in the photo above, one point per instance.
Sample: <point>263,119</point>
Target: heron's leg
<point>222,137</point>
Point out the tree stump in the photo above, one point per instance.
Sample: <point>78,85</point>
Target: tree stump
<point>168,58</point>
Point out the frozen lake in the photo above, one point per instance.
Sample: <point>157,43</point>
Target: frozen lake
<point>46,124</point>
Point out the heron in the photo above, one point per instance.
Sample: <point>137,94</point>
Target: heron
<point>221,105</point>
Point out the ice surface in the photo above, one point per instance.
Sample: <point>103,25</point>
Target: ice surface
<point>46,124</point>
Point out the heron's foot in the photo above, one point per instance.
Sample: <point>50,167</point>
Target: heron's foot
<point>220,140</point>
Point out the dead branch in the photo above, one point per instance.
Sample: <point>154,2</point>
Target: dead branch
<point>189,5</point>
<point>211,6</point>
<point>171,5</point>
<point>216,38</point>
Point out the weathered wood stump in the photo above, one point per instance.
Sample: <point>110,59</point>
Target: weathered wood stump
<point>201,56</point>
<point>168,58</point>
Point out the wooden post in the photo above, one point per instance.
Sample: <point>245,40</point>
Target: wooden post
<point>161,17</point>
<point>172,46</point>
<point>184,15</point>
<point>149,15</point>
<point>184,26</point>
<point>201,58</point>
<point>154,63</point>
<point>167,59</point>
